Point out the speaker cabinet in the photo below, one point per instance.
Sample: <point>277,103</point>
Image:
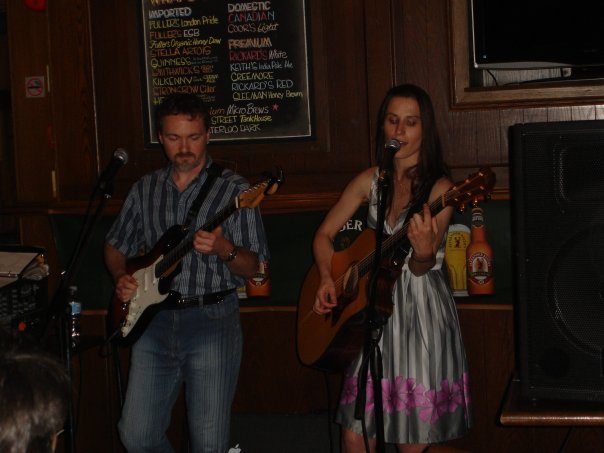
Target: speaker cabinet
<point>557,179</point>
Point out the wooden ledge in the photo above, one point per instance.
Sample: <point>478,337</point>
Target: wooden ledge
<point>519,411</point>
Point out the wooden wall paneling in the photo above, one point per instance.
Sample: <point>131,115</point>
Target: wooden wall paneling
<point>35,231</point>
<point>582,439</point>
<point>500,156</point>
<point>73,120</point>
<point>344,46</point>
<point>535,115</point>
<point>489,137</point>
<point>7,163</point>
<point>458,139</point>
<point>382,28</point>
<point>583,112</point>
<point>437,57</point>
<point>272,380</point>
<point>95,395</point>
<point>472,326</point>
<point>499,368</point>
<point>33,149</point>
<point>415,43</point>
<point>118,82</point>
<point>559,114</point>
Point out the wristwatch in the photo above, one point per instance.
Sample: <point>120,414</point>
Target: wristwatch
<point>232,254</point>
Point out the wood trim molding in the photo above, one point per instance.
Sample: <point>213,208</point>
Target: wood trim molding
<point>275,204</point>
<point>464,96</point>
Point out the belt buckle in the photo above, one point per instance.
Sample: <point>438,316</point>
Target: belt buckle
<point>186,302</point>
<point>211,299</point>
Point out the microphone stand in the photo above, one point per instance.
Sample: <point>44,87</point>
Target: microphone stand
<point>372,357</point>
<point>59,308</point>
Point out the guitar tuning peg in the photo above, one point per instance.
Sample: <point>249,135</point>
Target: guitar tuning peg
<point>281,174</point>
<point>461,208</point>
<point>487,197</point>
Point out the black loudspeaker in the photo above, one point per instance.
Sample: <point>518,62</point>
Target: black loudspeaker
<point>557,182</point>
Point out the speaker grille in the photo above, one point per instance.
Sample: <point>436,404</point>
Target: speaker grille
<point>558,194</point>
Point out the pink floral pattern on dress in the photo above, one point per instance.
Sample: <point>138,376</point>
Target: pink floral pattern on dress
<point>405,394</point>
<point>402,395</point>
<point>349,390</point>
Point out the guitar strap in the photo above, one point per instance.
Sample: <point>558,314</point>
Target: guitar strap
<point>214,170</point>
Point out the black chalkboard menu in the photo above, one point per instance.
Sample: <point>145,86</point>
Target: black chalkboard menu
<point>248,60</point>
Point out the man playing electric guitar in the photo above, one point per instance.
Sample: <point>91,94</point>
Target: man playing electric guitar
<point>199,343</point>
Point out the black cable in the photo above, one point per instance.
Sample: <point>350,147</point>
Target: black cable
<point>329,414</point>
<point>566,439</point>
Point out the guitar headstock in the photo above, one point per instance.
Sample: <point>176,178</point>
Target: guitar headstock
<point>275,182</point>
<point>252,197</point>
<point>476,186</point>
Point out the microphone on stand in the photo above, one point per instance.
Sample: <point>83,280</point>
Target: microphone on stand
<point>120,158</point>
<point>390,149</point>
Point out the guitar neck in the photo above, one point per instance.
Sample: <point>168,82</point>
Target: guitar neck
<point>391,243</point>
<point>186,245</point>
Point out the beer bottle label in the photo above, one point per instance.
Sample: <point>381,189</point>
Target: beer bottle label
<point>480,268</point>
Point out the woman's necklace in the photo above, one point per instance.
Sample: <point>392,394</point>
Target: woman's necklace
<point>401,199</point>
<point>403,186</point>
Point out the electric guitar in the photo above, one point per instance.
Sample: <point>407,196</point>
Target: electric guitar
<point>155,271</point>
<point>330,342</point>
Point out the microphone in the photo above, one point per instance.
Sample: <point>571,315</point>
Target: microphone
<point>390,148</point>
<point>120,157</point>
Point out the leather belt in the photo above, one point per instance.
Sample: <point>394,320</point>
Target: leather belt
<point>206,299</point>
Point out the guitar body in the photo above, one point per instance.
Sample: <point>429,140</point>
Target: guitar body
<point>330,342</point>
<point>153,293</point>
<point>155,271</point>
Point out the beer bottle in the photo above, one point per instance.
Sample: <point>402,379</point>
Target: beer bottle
<point>259,285</point>
<point>479,255</point>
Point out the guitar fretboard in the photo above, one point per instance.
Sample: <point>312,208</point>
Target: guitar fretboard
<point>179,251</point>
<point>391,243</point>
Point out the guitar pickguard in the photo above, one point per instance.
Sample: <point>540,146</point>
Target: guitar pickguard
<point>149,292</point>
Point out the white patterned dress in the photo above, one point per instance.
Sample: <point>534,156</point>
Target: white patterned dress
<point>425,389</point>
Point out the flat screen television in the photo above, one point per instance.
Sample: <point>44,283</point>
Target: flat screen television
<point>524,34</point>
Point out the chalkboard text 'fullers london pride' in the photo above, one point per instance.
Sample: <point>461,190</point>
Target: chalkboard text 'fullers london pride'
<point>250,17</point>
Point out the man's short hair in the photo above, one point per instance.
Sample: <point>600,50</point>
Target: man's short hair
<point>34,397</point>
<point>181,104</point>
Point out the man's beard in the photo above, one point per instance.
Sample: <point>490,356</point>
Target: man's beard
<point>187,165</point>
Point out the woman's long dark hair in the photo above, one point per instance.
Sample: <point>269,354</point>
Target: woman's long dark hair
<point>431,165</point>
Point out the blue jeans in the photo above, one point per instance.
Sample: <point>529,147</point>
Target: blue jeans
<point>200,347</point>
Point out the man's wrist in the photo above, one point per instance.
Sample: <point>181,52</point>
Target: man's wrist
<point>231,255</point>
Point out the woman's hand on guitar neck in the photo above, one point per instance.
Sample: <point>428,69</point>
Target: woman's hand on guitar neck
<point>326,298</point>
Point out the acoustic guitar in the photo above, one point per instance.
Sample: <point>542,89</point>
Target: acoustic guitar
<point>330,342</point>
<point>156,270</point>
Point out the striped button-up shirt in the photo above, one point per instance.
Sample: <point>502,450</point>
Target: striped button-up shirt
<point>154,204</point>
